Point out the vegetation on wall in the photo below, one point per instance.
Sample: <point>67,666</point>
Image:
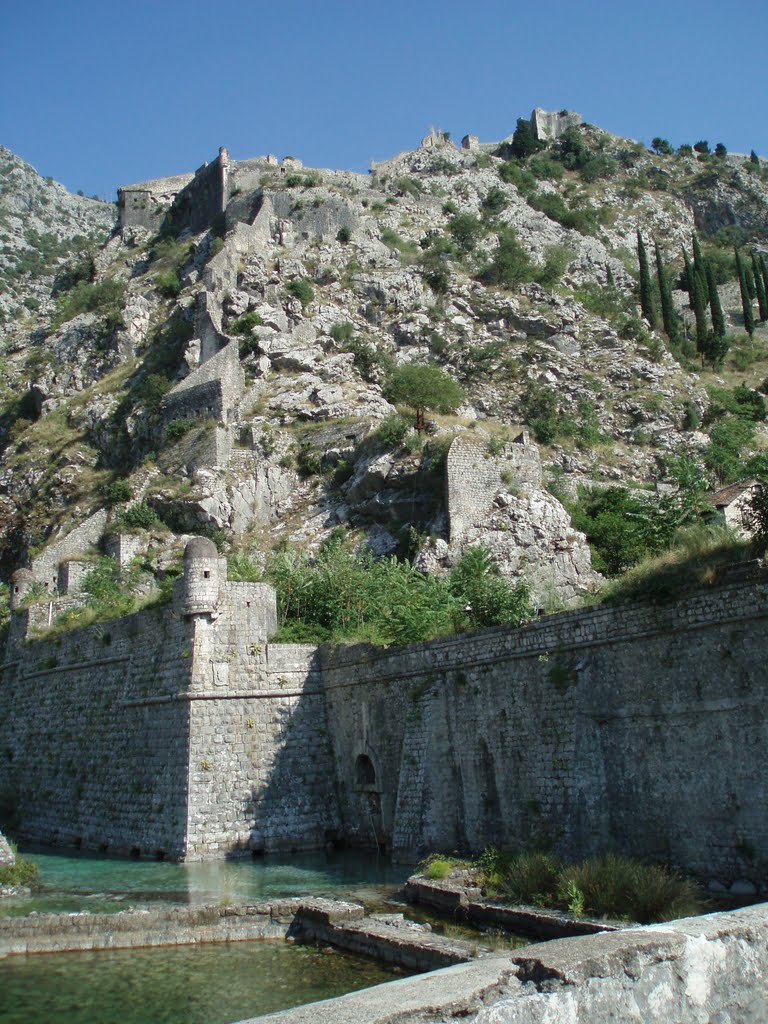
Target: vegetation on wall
<point>338,596</point>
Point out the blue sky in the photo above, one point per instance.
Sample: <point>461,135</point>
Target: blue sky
<point>99,94</point>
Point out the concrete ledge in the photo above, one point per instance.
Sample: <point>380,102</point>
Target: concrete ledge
<point>692,971</point>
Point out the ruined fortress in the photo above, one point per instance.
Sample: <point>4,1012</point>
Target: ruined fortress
<point>182,731</point>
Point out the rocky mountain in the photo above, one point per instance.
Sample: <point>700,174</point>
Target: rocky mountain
<point>223,363</point>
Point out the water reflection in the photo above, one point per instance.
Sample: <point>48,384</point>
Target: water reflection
<point>83,881</point>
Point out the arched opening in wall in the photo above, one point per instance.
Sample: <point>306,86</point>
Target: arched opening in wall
<point>365,773</point>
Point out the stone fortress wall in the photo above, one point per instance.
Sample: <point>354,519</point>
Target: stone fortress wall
<point>183,730</point>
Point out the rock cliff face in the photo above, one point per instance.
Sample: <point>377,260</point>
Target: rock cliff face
<point>234,378</point>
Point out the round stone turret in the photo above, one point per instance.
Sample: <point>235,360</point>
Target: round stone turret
<point>22,582</point>
<point>202,577</point>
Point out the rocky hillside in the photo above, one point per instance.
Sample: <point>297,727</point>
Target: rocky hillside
<point>240,380</point>
<point>42,226</point>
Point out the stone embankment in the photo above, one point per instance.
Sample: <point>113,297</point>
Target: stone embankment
<point>692,971</point>
<point>387,938</point>
<point>465,902</point>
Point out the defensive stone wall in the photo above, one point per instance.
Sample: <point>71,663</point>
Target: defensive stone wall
<point>637,729</point>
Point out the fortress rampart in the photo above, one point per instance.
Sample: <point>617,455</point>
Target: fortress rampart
<point>183,730</point>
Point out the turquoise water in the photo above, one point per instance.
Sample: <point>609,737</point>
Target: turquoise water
<point>208,984</point>
<point>78,881</point>
<point>203,984</point>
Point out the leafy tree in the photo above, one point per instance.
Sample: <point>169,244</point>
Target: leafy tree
<point>702,146</point>
<point>524,142</point>
<point>574,153</point>
<point>728,439</point>
<point>685,150</point>
<point>647,299</point>
<point>661,146</point>
<point>746,301</point>
<point>668,314</point>
<point>754,158</point>
<point>762,297</point>
<point>423,386</point>
<point>721,151</point>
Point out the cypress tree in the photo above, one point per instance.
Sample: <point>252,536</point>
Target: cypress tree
<point>609,276</point>
<point>688,278</point>
<point>700,312</point>
<point>715,308</point>
<point>762,296</point>
<point>717,349</point>
<point>746,301</point>
<point>668,314</point>
<point>647,302</point>
<point>698,265</point>
<point>751,288</point>
<point>764,273</point>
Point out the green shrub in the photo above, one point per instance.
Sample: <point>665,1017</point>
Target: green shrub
<point>140,516</point>
<point>117,492</point>
<point>544,167</point>
<point>393,240</point>
<point>343,235</point>
<point>168,284</point>
<point>614,886</point>
<point>392,431</point>
<point>556,259</point>
<point>302,290</point>
<point>466,231</point>
<point>515,174</point>
<point>408,187</point>
<point>242,570</point>
<point>487,598</point>
<point>343,332</point>
<point>246,323</point>
<point>493,203</point>
<point>436,868</point>
<point>730,439</point>
<point>23,872</point>
<point>607,886</point>
<point>510,265</point>
<point>176,429</point>
<point>105,298</point>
